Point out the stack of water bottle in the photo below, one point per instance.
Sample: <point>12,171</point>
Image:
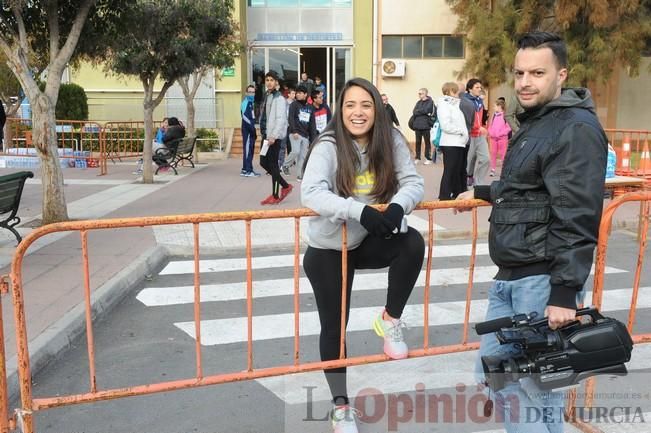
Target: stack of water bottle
<point>27,158</point>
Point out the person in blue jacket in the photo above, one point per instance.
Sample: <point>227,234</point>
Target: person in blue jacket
<point>248,133</point>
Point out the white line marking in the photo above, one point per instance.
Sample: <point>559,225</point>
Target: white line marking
<point>267,327</point>
<point>239,264</point>
<point>158,296</point>
<point>435,372</point>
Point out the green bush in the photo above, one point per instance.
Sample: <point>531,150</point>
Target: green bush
<point>207,145</point>
<point>72,103</point>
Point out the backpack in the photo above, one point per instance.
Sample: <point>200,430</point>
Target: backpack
<point>435,134</point>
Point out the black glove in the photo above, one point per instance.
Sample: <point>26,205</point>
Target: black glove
<point>394,213</point>
<point>375,222</point>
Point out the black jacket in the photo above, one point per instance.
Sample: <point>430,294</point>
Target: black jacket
<point>547,204</point>
<point>392,114</point>
<point>173,132</point>
<point>299,118</point>
<point>423,112</point>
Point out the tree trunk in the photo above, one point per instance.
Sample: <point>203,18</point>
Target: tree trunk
<point>45,141</point>
<point>148,172</point>
<point>190,130</point>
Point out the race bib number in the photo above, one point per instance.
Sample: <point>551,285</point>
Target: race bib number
<point>303,117</point>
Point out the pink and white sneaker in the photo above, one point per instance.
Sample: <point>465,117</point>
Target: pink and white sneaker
<point>391,330</point>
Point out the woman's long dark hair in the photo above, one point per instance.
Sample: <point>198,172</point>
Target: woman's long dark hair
<point>379,148</point>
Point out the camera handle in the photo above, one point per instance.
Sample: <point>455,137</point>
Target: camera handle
<point>590,311</point>
<point>495,325</point>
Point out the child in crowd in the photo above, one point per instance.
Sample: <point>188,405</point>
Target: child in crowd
<point>498,130</point>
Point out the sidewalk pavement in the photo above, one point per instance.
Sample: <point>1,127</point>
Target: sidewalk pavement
<point>120,259</point>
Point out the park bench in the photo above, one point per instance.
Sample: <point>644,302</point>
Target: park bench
<point>11,189</point>
<point>175,152</point>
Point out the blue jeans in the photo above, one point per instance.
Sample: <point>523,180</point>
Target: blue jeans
<point>522,406</point>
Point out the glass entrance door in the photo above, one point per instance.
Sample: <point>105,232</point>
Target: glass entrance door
<point>341,70</point>
<point>332,64</point>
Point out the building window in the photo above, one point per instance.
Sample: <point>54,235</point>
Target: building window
<point>391,46</point>
<point>299,3</point>
<point>422,47</point>
<point>412,47</point>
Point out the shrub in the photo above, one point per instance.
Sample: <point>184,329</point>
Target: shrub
<point>72,103</point>
<point>207,145</point>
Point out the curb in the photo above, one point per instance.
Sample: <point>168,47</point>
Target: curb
<point>62,334</point>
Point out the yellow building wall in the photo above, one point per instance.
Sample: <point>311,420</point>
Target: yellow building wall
<point>112,97</point>
<point>363,34</point>
<point>229,90</point>
<point>420,17</point>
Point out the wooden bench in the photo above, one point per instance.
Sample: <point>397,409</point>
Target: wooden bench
<point>11,189</point>
<point>176,151</point>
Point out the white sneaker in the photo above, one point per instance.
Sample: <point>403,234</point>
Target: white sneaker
<point>416,161</point>
<point>427,161</point>
<point>391,330</point>
<point>343,419</point>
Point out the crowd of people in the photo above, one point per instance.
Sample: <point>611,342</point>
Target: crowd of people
<point>547,202</point>
<point>457,125</point>
<point>288,124</point>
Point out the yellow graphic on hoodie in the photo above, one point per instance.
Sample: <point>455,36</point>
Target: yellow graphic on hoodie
<point>364,183</point>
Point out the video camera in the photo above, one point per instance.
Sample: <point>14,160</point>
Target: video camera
<point>557,358</point>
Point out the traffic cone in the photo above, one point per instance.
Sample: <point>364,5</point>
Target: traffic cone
<point>645,162</point>
<point>624,167</point>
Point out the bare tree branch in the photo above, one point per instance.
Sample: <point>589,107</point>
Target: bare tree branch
<point>57,65</point>
<point>53,26</point>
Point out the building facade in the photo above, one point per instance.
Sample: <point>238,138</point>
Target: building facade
<point>400,45</point>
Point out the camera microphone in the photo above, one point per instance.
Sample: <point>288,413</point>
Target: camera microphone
<point>503,322</point>
<point>493,325</point>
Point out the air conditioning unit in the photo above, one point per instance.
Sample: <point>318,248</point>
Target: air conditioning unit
<point>393,68</point>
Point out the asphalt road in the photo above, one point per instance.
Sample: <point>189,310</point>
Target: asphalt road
<point>148,338</point>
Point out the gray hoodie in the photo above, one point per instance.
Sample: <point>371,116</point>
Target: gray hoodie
<point>276,116</point>
<point>318,192</point>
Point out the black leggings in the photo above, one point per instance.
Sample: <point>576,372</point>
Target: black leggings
<point>423,134</point>
<point>270,163</point>
<point>453,180</point>
<point>402,253</point>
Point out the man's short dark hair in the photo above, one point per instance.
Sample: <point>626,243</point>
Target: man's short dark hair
<point>545,40</point>
<point>301,88</point>
<point>315,93</point>
<point>273,74</point>
<point>471,83</point>
<point>250,86</point>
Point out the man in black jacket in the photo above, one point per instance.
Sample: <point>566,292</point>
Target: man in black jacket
<point>390,111</point>
<point>422,115</point>
<point>546,213</point>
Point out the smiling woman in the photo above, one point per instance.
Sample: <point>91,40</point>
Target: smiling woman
<point>359,160</point>
<point>358,114</point>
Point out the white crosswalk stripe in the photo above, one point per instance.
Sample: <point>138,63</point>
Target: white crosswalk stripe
<point>441,371</point>
<point>287,260</point>
<point>266,327</point>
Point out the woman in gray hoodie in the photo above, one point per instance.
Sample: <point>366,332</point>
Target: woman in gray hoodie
<point>360,160</point>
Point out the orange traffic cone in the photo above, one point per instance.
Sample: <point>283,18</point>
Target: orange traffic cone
<point>624,162</point>
<point>645,162</point>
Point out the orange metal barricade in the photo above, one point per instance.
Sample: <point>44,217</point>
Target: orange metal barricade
<point>29,404</point>
<point>125,140</point>
<point>644,197</point>
<point>629,145</point>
